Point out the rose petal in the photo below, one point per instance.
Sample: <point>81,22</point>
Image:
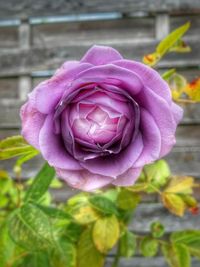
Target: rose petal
<point>49,93</point>
<point>128,178</point>
<point>99,55</point>
<point>163,116</point>
<point>149,77</point>
<point>83,179</point>
<point>113,74</point>
<point>151,139</point>
<point>32,121</point>
<point>53,149</point>
<point>115,165</point>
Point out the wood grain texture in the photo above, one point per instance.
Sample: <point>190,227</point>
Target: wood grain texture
<point>22,8</point>
<point>8,36</point>
<point>144,262</point>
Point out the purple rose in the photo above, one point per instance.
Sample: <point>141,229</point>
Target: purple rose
<point>99,120</point>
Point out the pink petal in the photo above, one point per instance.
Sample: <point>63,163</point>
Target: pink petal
<point>32,122</point>
<point>151,139</point>
<point>100,55</point>
<point>53,149</point>
<point>83,179</point>
<point>115,165</point>
<point>149,77</point>
<point>49,92</point>
<point>128,178</point>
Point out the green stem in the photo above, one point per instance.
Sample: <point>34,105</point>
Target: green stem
<point>117,257</point>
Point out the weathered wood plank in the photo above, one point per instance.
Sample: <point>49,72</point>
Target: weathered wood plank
<point>177,21</point>
<point>8,88</point>
<point>91,31</point>
<point>8,36</point>
<point>17,8</point>
<point>15,61</point>
<point>147,213</point>
<point>145,262</point>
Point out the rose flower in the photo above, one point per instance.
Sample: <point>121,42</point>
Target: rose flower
<point>99,120</point>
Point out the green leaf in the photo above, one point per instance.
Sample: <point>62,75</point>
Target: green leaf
<point>128,200</point>
<point>106,233</point>
<point>30,228</point>
<point>171,42</point>
<point>186,237</point>
<point>14,146</point>
<point>190,238</point>
<point>149,246</point>
<point>171,39</point>
<point>54,212</point>
<point>103,204</point>
<point>168,74</point>
<point>157,229</point>
<point>39,259</point>
<point>26,158</point>
<point>40,184</point>
<point>177,83</point>
<point>156,174</point>
<point>139,187</point>
<point>87,254</point>
<point>13,141</point>
<point>111,194</point>
<point>65,254</point>
<point>6,246</point>
<point>73,231</point>
<point>176,255</point>
<point>128,243</point>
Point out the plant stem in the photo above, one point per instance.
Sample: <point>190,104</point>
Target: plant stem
<point>117,257</point>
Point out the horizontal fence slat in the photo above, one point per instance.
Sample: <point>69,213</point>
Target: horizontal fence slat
<point>145,262</point>
<point>126,28</point>
<point>8,88</point>
<point>16,61</point>
<point>8,37</point>
<point>21,8</point>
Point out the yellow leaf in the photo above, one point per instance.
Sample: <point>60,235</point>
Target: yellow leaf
<point>106,233</point>
<point>180,185</point>
<point>174,203</point>
<point>85,214</point>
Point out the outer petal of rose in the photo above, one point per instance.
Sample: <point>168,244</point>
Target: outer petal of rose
<point>151,139</point>
<point>100,55</point>
<point>32,122</point>
<point>53,149</point>
<point>113,74</point>
<point>163,116</point>
<point>49,92</point>
<point>177,112</point>
<point>128,178</point>
<point>83,179</point>
<point>149,77</point>
<point>115,165</point>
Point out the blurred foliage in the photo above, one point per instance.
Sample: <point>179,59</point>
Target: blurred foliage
<point>34,231</point>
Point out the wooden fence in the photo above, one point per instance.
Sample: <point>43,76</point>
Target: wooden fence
<point>38,36</point>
